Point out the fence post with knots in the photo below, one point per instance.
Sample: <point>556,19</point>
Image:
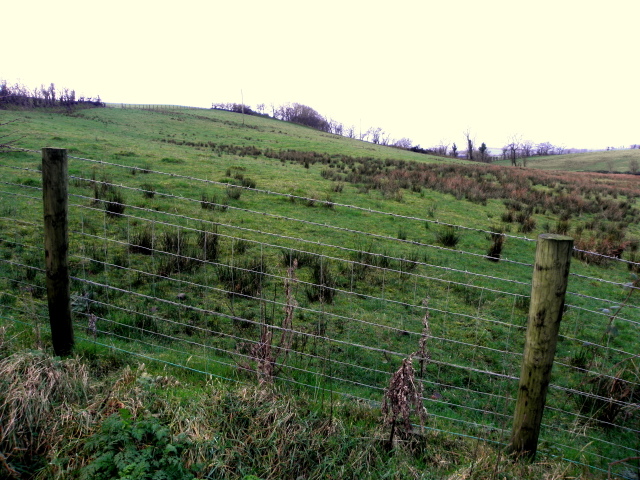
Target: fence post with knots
<point>56,245</point>
<point>548,288</point>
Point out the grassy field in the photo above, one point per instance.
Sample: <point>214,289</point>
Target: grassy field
<point>612,161</point>
<point>185,225</point>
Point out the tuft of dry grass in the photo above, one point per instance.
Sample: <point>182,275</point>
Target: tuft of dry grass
<point>37,404</point>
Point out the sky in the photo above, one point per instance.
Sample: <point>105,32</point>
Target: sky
<point>559,71</point>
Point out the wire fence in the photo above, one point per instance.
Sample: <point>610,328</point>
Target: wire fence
<point>339,293</point>
<point>150,106</point>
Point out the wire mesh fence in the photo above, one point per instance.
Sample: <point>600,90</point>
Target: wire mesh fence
<point>250,285</point>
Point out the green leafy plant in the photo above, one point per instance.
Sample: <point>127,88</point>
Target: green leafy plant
<point>130,448</point>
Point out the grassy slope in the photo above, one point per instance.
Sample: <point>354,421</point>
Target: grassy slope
<point>152,140</point>
<point>616,161</point>
<point>56,409</point>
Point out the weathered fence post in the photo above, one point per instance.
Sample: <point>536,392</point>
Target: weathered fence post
<point>549,284</point>
<point>56,245</point>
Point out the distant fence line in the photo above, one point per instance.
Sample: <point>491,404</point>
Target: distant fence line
<point>327,354</point>
<point>149,106</point>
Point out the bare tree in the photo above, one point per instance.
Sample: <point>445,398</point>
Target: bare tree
<point>403,143</point>
<point>470,141</point>
<point>375,134</point>
<point>513,148</point>
<point>441,148</point>
<point>526,149</point>
<point>544,149</point>
<point>454,150</point>
<point>350,131</point>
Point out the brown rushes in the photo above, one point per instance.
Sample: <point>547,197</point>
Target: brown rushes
<point>262,353</point>
<point>424,356</point>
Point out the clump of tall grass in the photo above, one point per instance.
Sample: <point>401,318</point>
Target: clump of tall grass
<point>245,279</point>
<point>323,288</point>
<point>142,241</point>
<point>114,203</point>
<point>234,193</point>
<point>180,253</point>
<point>497,244</point>
<point>37,403</point>
<point>209,243</point>
<point>448,236</point>
<point>303,259</point>
<point>148,190</point>
<point>210,202</point>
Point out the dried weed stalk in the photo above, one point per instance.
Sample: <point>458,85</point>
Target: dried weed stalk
<point>403,396</point>
<point>263,352</point>
<point>424,356</point>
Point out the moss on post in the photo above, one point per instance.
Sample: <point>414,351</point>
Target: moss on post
<point>549,285</point>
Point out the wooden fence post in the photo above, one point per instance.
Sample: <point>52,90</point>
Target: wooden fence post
<point>549,285</point>
<point>56,245</point>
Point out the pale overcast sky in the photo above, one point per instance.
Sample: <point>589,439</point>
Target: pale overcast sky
<point>562,71</point>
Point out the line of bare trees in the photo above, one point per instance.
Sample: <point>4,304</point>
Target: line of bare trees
<point>517,150</point>
<point>305,115</point>
<point>19,96</point>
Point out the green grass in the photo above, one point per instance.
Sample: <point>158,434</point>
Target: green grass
<point>612,161</point>
<point>165,306</point>
<point>97,417</point>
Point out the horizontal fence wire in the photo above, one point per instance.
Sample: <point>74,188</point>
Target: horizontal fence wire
<point>198,285</point>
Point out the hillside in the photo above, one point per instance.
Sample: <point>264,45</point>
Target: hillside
<point>268,255</point>
<point>109,130</point>
<point>612,161</point>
